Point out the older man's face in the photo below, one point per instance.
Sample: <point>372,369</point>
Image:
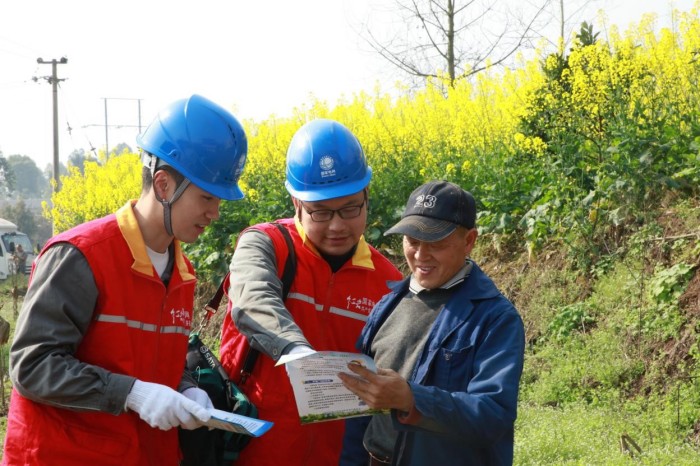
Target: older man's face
<point>433,264</point>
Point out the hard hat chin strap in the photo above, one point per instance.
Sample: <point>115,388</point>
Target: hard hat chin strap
<point>167,204</point>
<point>154,163</point>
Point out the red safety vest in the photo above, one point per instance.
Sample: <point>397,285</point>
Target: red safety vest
<point>331,310</point>
<point>138,328</point>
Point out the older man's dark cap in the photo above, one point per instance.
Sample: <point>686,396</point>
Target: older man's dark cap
<point>434,210</point>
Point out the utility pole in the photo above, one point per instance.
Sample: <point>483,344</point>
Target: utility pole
<point>53,80</point>
<point>106,131</point>
<point>107,125</point>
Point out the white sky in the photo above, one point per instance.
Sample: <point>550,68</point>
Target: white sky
<point>255,58</point>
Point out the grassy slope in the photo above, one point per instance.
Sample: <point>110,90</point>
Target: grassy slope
<point>611,357</point>
<point>7,311</point>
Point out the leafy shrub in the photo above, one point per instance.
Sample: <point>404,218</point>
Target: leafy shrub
<point>571,318</point>
<point>668,284</point>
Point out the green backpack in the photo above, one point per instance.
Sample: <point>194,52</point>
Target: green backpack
<point>215,447</point>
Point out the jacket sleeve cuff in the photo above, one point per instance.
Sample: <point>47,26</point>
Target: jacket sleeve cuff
<point>412,417</point>
<point>118,389</point>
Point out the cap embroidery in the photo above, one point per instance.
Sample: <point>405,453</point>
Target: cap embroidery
<point>426,200</point>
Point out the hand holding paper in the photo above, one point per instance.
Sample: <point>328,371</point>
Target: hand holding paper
<point>385,389</point>
<point>162,407</point>
<point>319,392</point>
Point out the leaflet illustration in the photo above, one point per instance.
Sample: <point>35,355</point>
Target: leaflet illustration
<point>318,391</point>
<point>237,423</point>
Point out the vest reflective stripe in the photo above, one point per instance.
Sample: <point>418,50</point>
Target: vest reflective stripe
<point>175,329</point>
<point>129,323</point>
<point>305,298</point>
<point>350,314</point>
<point>116,319</point>
<point>333,310</point>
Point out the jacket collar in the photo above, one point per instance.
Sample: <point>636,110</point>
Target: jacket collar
<point>134,239</point>
<point>361,258</point>
<point>477,285</point>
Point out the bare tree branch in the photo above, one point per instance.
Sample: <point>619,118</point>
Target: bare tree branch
<point>458,38</point>
<point>508,53</point>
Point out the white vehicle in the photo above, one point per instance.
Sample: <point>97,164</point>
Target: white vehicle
<point>10,237</point>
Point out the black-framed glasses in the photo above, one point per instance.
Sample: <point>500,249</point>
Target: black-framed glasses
<point>326,215</point>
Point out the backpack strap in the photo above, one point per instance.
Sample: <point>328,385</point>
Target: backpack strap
<point>290,266</point>
<point>213,304</point>
<point>287,277</point>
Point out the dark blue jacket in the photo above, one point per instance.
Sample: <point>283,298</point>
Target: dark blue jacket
<point>465,383</point>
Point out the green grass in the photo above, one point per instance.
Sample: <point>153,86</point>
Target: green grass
<point>9,307</point>
<point>584,435</point>
<point>628,365</point>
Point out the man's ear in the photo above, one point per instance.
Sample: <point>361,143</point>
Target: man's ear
<point>163,184</point>
<point>470,240</point>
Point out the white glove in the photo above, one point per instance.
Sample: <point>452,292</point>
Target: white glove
<point>199,395</point>
<point>163,407</point>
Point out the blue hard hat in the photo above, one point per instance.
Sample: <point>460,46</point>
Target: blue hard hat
<point>202,141</point>
<point>324,161</point>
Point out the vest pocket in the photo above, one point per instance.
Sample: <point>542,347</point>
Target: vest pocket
<point>105,448</point>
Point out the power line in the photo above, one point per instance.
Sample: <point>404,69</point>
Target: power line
<point>106,125</point>
<point>17,44</point>
<point>71,115</point>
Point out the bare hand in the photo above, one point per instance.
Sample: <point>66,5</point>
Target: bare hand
<point>384,390</point>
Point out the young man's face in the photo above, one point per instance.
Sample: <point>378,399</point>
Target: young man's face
<point>193,212</point>
<point>338,235</point>
<point>433,264</point>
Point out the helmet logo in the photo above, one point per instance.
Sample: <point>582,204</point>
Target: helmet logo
<point>326,163</point>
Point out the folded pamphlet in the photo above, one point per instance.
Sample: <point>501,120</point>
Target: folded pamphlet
<point>318,391</point>
<point>237,423</point>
